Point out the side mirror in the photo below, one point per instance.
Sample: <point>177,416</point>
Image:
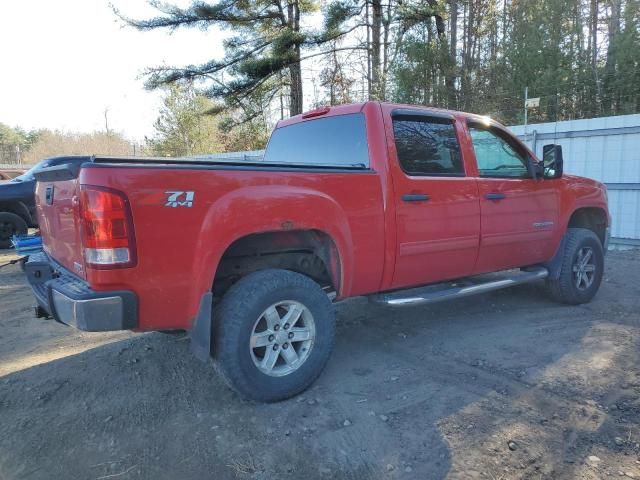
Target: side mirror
<point>552,161</point>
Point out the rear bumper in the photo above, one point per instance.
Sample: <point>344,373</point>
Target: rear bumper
<point>71,301</point>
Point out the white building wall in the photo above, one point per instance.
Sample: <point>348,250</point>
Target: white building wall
<point>606,149</point>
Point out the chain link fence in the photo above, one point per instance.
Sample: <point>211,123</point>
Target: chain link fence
<point>10,155</point>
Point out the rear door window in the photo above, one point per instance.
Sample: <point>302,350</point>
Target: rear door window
<point>339,141</point>
<point>427,146</point>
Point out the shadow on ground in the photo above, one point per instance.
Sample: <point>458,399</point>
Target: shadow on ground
<point>508,385</point>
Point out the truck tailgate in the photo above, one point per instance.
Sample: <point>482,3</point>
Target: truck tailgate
<point>57,206</point>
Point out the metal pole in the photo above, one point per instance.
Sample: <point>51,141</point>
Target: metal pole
<point>526,94</point>
<point>106,120</point>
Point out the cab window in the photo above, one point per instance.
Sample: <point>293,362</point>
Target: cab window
<point>337,141</point>
<point>495,156</point>
<point>427,146</point>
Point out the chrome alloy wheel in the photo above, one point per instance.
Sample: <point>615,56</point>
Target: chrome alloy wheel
<point>282,338</point>
<point>584,268</point>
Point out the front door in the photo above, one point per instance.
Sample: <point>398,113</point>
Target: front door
<point>519,214</point>
<point>437,208</point>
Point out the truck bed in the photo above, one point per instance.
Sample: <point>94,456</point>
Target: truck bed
<point>180,245</point>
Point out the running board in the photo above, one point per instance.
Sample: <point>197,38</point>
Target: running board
<point>460,288</point>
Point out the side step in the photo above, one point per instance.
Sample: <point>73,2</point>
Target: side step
<point>460,288</point>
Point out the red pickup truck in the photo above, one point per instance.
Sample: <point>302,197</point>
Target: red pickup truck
<point>404,204</point>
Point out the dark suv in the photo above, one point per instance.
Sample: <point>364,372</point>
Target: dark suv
<point>17,205</point>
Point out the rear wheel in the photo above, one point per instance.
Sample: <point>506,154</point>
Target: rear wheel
<point>274,332</point>
<point>10,225</point>
<point>581,270</point>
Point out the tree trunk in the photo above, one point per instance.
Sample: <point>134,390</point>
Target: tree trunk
<point>334,70</point>
<point>450,73</point>
<point>295,89</point>
<point>440,26</point>
<point>503,40</point>
<point>295,69</point>
<point>593,38</point>
<point>386,30</point>
<point>366,7</point>
<point>443,63</point>
<point>376,28</point>
<point>610,66</point>
<point>467,23</point>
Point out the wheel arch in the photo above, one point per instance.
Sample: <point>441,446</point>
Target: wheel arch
<point>280,213</point>
<point>311,252</point>
<point>591,218</point>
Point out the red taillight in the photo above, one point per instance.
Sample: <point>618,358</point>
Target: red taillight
<point>107,228</point>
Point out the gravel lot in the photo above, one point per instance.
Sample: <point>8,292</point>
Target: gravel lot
<point>502,386</point>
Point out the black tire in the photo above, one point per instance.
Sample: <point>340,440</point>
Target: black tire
<point>564,289</point>
<point>10,225</point>
<point>237,316</point>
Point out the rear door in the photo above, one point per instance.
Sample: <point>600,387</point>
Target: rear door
<point>437,209</point>
<point>519,214</point>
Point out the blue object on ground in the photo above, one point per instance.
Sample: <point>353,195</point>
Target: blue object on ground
<point>27,244</point>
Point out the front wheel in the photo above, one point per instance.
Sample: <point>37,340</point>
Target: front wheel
<point>273,334</point>
<point>581,269</point>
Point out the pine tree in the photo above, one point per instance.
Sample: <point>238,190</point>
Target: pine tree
<point>181,129</point>
<point>261,57</point>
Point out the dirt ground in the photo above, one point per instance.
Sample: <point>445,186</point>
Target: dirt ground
<point>502,386</point>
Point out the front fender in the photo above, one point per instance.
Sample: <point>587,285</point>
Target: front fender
<point>269,208</point>
<point>576,193</point>
<point>580,192</point>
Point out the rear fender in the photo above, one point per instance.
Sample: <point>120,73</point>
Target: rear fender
<point>268,208</point>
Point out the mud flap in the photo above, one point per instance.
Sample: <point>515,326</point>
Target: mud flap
<point>555,264</point>
<point>201,331</point>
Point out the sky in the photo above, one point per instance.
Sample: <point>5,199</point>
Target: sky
<point>64,62</point>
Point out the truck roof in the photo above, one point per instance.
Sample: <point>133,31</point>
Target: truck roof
<point>358,107</point>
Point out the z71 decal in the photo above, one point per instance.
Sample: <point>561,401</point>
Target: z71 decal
<point>179,199</point>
